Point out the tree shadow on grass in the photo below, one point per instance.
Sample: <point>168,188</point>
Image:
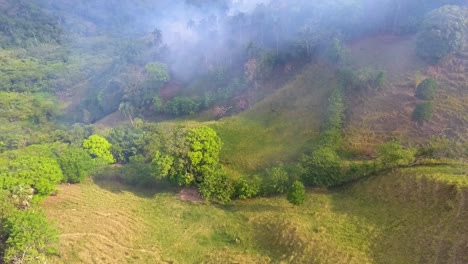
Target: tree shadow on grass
<point>116,184</point>
<point>257,205</point>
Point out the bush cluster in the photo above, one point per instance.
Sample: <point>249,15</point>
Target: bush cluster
<point>426,90</point>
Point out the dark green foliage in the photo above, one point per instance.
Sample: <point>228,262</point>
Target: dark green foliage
<point>30,238</point>
<point>76,164</point>
<point>332,135</point>
<point>99,147</point>
<point>426,90</point>
<point>443,32</point>
<point>127,141</point>
<point>179,106</point>
<point>138,172</point>
<point>217,187</point>
<point>297,194</point>
<point>276,181</point>
<point>423,112</point>
<point>24,24</point>
<point>322,168</point>
<point>248,187</point>
<point>189,158</point>
<point>393,154</point>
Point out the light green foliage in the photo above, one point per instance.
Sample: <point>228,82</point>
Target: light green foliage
<point>30,238</point>
<point>99,147</point>
<point>443,32</point>
<point>76,164</point>
<point>204,147</point>
<point>23,75</point>
<point>322,168</point>
<point>297,194</point>
<point>276,180</point>
<point>41,172</point>
<point>248,187</point>
<point>426,90</point>
<point>393,154</point>
<point>158,72</point>
<point>423,112</point>
<point>161,165</point>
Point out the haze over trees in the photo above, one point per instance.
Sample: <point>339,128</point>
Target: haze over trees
<point>221,98</point>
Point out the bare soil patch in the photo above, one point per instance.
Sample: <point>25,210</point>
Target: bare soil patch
<point>191,195</point>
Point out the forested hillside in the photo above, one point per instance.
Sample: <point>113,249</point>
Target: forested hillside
<point>233,131</point>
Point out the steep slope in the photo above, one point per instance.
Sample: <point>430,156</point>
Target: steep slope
<point>377,116</point>
<point>282,126</point>
<point>423,218</point>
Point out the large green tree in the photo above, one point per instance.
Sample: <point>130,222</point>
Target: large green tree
<point>204,147</point>
<point>443,32</point>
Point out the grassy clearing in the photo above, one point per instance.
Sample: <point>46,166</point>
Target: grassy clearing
<point>279,128</point>
<point>409,216</point>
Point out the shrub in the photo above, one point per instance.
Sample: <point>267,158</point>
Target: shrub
<point>76,164</point>
<point>276,181</point>
<point>297,194</point>
<point>442,33</point>
<point>99,147</point>
<point>247,188</point>
<point>426,90</point>
<point>217,187</point>
<point>180,106</point>
<point>423,112</point>
<point>30,238</point>
<point>42,173</point>
<point>392,154</point>
<point>323,168</point>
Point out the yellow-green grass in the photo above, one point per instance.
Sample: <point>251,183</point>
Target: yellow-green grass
<point>279,128</point>
<point>409,216</point>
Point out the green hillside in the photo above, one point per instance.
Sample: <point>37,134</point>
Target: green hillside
<point>408,216</point>
<point>234,131</point>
